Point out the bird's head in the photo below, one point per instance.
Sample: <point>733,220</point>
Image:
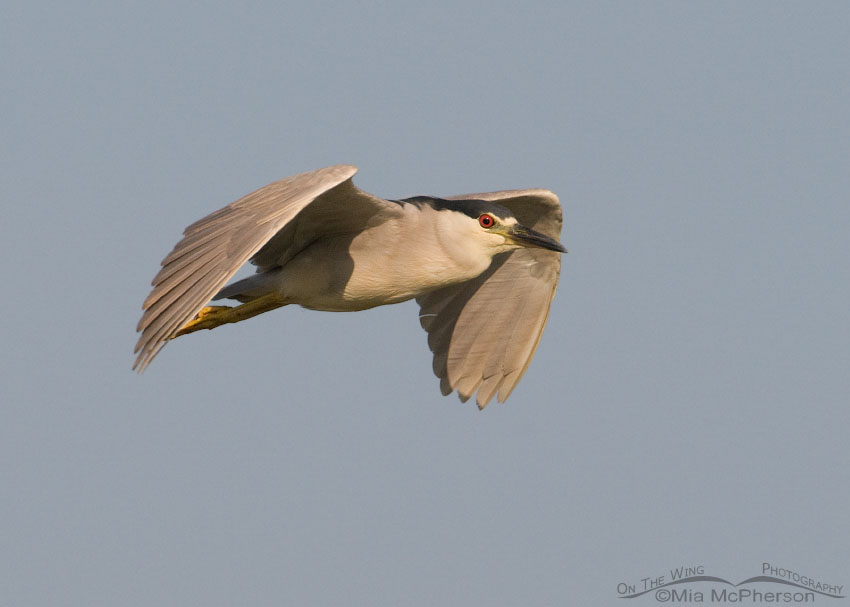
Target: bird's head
<point>478,229</point>
<point>505,233</point>
<point>495,228</point>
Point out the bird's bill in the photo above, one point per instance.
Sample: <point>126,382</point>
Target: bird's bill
<point>526,237</point>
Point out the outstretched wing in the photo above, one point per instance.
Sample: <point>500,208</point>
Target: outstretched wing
<point>214,248</point>
<point>484,332</point>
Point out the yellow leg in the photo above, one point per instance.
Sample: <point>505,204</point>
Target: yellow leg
<point>211,317</point>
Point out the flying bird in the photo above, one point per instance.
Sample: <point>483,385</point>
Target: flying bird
<point>482,267</point>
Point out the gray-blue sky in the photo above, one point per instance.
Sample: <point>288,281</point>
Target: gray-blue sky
<point>687,404</point>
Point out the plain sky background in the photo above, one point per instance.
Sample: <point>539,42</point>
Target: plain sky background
<point>688,403</point>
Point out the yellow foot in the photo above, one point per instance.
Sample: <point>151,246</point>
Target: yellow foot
<point>209,317</point>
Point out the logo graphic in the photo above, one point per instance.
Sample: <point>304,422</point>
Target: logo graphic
<point>692,585</point>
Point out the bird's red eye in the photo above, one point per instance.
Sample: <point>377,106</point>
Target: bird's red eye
<point>486,220</point>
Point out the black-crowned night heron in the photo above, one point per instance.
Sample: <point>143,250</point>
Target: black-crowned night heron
<point>483,268</point>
